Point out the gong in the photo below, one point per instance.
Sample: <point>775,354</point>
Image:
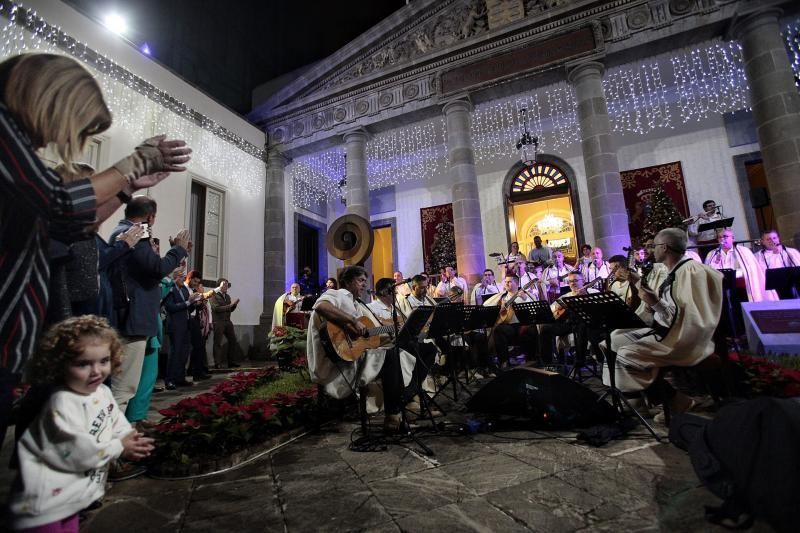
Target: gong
<point>350,238</point>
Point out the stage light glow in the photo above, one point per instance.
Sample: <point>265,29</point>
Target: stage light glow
<point>116,23</point>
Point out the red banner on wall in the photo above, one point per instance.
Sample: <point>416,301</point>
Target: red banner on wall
<point>438,237</point>
<point>638,186</point>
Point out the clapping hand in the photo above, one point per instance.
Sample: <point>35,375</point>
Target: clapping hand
<point>136,446</point>
<point>150,180</point>
<point>175,153</point>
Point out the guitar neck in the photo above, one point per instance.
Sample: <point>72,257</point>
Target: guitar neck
<point>380,330</point>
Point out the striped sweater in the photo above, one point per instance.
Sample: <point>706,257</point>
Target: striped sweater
<point>34,204</point>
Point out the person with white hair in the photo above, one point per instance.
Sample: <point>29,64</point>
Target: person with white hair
<point>685,308</point>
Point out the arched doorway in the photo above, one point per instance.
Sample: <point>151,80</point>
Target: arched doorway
<point>541,200</point>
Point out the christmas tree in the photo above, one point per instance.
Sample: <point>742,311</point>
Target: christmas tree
<point>443,250</point>
<point>661,213</point>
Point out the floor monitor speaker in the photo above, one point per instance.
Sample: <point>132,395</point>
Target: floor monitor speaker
<point>547,398</point>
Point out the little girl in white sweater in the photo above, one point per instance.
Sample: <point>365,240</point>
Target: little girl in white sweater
<point>65,452</point>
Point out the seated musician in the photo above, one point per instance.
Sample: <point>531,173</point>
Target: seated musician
<point>485,288</point>
<point>403,289</point>
<point>775,255</point>
<point>450,279</point>
<point>618,281</point>
<point>524,277</point>
<point>340,378</point>
<point>685,308</point>
<point>555,277</point>
<point>564,324</point>
<point>286,303</point>
<point>507,330</point>
<point>749,281</point>
<point>596,268</point>
<point>419,294</point>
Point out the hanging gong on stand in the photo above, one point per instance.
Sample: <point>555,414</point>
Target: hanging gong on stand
<point>350,238</point>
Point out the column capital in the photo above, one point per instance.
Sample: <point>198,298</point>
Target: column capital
<point>457,103</point>
<point>358,134</point>
<point>577,71</point>
<point>753,20</point>
<point>275,158</point>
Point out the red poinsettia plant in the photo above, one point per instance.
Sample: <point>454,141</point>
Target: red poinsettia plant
<point>767,377</point>
<point>286,343</point>
<point>223,420</point>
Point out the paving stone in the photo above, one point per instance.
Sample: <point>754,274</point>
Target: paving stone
<point>235,497</point>
<point>494,472</point>
<point>552,455</point>
<point>632,487</point>
<point>414,493</point>
<point>261,467</point>
<point>336,511</point>
<point>547,504</point>
<point>136,515</point>
<point>470,515</point>
<point>374,466</point>
<point>265,519</point>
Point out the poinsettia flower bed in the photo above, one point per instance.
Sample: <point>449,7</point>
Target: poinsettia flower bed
<point>224,421</point>
<point>768,378</point>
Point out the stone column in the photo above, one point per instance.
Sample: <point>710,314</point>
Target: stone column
<point>466,202</point>
<point>776,111</point>
<point>357,191</point>
<point>609,218</point>
<point>274,245</point>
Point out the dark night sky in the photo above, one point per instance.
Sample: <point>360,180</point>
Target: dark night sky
<point>229,48</point>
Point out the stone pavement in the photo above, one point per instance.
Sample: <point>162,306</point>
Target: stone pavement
<point>512,481</point>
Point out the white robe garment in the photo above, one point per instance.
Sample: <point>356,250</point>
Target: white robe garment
<point>691,308</point>
<point>339,378</point>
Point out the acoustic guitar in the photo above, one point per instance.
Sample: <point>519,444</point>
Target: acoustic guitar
<point>561,308</point>
<point>351,347</point>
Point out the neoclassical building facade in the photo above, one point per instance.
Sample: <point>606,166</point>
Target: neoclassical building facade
<point>425,110</point>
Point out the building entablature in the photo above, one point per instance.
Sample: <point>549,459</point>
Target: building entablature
<point>429,50</point>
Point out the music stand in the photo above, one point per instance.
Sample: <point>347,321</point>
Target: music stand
<point>784,281</point>
<point>534,312</point>
<point>715,224</point>
<point>307,305</point>
<point>480,316</point>
<point>406,335</point>
<point>728,284</point>
<point>447,320</point>
<point>606,311</point>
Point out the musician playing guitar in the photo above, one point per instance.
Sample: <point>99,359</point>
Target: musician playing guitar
<point>292,299</point>
<point>508,330</point>
<point>339,378</point>
<point>555,277</point>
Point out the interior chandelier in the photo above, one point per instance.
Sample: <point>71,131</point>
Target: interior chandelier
<point>550,224</point>
<point>527,145</point>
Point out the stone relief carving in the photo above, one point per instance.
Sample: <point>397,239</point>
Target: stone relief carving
<point>462,21</point>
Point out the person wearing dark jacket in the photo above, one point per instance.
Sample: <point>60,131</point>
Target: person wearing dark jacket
<point>142,273</point>
<point>179,303</point>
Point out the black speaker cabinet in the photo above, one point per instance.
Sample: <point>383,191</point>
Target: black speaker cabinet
<point>547,398</point>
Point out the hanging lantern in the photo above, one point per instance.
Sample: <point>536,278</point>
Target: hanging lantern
<point>528,144</point>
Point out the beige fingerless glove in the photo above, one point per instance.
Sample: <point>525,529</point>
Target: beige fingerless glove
<point>146,159</point>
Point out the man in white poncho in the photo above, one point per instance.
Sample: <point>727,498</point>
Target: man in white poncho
<point>685,308</point>
<point>339,378</point>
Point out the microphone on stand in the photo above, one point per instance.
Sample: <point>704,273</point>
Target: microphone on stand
<point>407,280</point>
<point>495,254</point>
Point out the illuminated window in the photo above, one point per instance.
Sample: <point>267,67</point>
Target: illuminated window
<point>538,178</point>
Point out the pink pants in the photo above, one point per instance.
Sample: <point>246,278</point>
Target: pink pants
<point>66,525</point>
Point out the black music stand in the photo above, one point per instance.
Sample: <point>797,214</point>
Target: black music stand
<point>606,311</point>
<point>715,224</point>
<point>534,312</point>
<point>448,320</point>
<point>479,317</point>
<point>785,281</point>
<point>410,330</point>
<point>728,284</point>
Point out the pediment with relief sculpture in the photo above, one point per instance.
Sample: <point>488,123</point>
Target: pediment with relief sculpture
<point>439,25</point>
<point>447,25</point>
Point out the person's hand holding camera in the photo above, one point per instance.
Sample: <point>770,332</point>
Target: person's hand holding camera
<point>195,297</point>
<point>132,235</point>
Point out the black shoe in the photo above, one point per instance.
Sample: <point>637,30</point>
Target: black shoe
<point>156,390</point>
<point>170,386</point>
<point>234,365</point>
<point>201,377</point>
<point>184,383</point>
